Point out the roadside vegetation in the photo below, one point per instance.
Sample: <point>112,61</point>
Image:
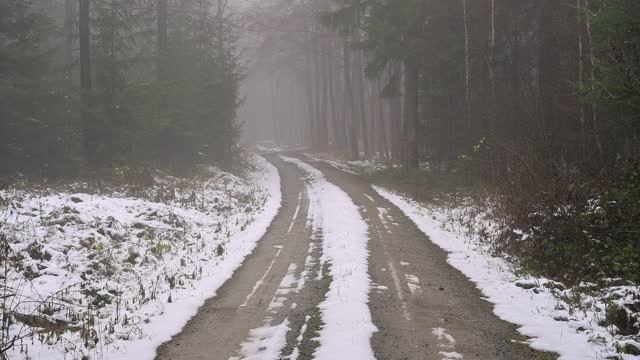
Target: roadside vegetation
<point>526,113</point>
<point>574,238</point>
<point>116,118</point>
<point>92,86</point>
<point>571,229</point>
<point>87,270</point>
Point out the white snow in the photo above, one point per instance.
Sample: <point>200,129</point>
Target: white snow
<point>268,341</point>
<point>450,355</point>
<point>353,167</point>
<point>445,339</point>
<point>265,343</point>
<point>303,329</point>
<point>413,282</point>
<point>288,285</point>
<point>533,311</point>
<point>446,342</point>
<point>348,327</point>
<point>153,263</point>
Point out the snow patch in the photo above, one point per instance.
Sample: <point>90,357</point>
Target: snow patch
<point>146,265</point>
<point>450,355</point>
<point>348,326</point>
<point>265,343</point>
<point>413,282</point>
<point>534,312</point>
<point>445,339</point>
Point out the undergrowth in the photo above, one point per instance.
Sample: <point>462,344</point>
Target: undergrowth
<point>568,228</point>
<point>583,231</point>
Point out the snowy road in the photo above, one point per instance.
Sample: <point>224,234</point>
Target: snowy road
<point>344,274</point>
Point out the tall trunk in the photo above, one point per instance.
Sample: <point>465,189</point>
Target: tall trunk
<point>85,51</point>
<point>382,128</point>
<point>344,115</point>
<point>334,104</point>
<point>275,119</point>
<point>547,62</point>
<point>467,65</point>
<point>361,102</point>
<point>162,40</point>
<point>395,118</point>
<point>349,106</point>
<point>592,78</point>
<point>323,130</point>
<point>492,40</point>
<point>411,114</point>
<point>492,55</point>
<point>581,83</point>
<point>317,86</point>
<point>69,20</point>
<point>515,109</point>
<point>373,117</point>
<point>309,91</point>
<point>220,20</point>
<point>85,83</point>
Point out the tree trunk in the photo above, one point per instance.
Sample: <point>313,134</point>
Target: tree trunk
<point>275,118</point>
<point>581,84</point>
<point>382,128</point>
<point>89,131</point>
<point>349,106</point>
<point>308,73</point>
<point>85,51</point>
<point>467,65</point>
<point>492,45</point>
<point>592,78</point>
<point>373,120</point>
<point>323,129</point>
<point>162,40</point>
<point>412,116</point>
<point>317,86</point>
<point>69,20</point>
<point>361,103</point>
<point>548,63</point>
<point>334,104</point>
<point>395,117</point>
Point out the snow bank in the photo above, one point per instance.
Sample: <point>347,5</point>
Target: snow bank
<point>348,326</point>
<point>121,275</point>
<point>551,324</point>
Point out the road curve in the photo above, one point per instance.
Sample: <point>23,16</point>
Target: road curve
<point>423,308</point>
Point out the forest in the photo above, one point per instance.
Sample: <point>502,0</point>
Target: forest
<point>92,85</point>
<point>320,179</point>
<point>535,102</point>
<point>531,106</point>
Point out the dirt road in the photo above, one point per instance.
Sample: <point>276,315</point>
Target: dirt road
<point>423,308</point>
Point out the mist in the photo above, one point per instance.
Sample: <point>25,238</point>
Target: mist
<point>320,179</point>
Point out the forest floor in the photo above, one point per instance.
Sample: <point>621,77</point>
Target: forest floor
<point>386,293</point>
<point>106,271</point>
<point>584,321</point>
<point>301,259</point>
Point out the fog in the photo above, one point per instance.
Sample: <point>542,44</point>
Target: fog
<point>319,179</point>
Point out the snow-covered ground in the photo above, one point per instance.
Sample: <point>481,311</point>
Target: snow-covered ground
<point>556,319</point>
<point>348,327</point>
<point>353,167</point>
<point>113,276</point>
<point>272,148</point>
